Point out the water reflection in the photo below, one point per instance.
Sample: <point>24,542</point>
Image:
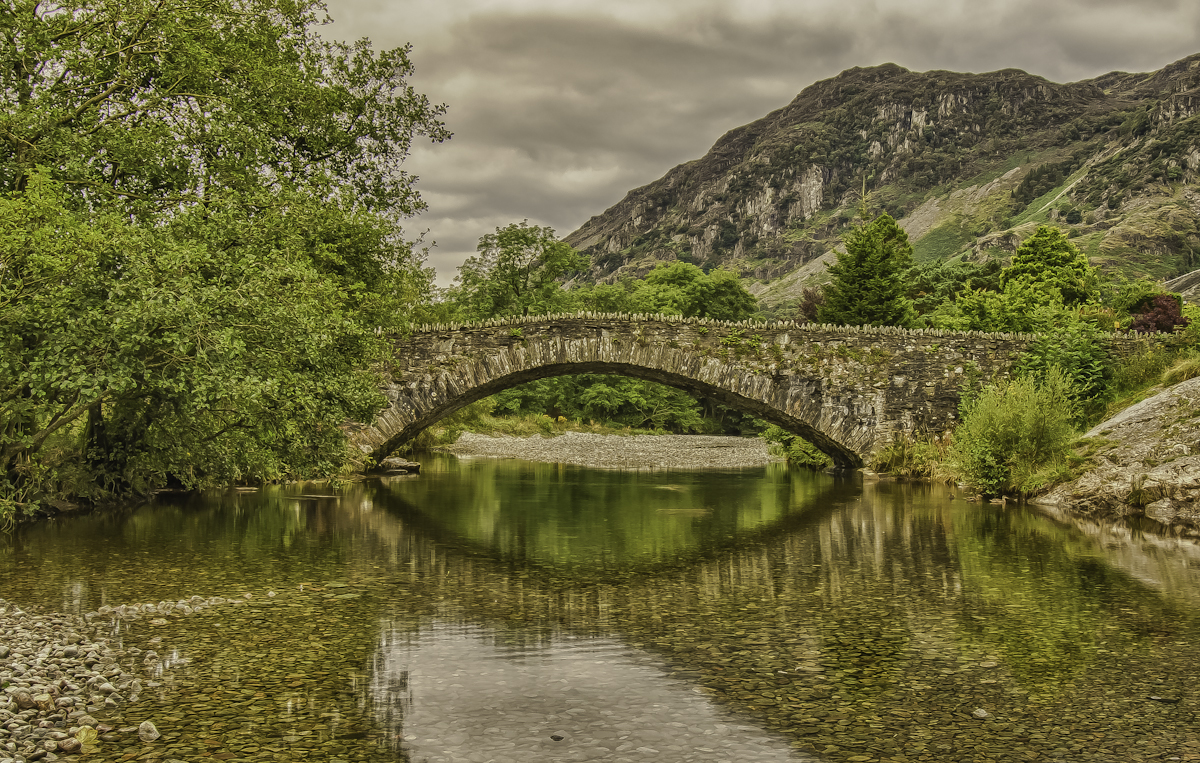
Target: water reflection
<point>459,692</point>
<point>863,621</point>
<point>587,520</point>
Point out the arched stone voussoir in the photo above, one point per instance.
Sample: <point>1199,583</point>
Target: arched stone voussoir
<point>423,405</point>
<point>848,390</point>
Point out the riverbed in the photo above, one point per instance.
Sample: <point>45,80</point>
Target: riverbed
<point>504,610</point>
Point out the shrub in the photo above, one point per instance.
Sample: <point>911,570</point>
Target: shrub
<point>1072,346</point>
<point>1013,430</point>
<point>797,450</point>
<point>1162,313</point>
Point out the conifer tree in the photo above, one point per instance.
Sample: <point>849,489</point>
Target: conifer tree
<point>868,285</point>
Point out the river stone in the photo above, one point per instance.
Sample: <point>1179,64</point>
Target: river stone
<point>147,732</point>
<point>24,700</point>
<point>69,745</point>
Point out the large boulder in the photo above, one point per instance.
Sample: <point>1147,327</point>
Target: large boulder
<point>1146,463</point>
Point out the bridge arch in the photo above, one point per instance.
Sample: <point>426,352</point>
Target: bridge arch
<point>849,390</point>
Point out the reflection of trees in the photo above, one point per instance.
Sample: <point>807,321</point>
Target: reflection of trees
<point>892,600</point>
<point>896,600</point>
<point>588,523</point>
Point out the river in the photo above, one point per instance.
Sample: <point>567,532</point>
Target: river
<point>499,610</point>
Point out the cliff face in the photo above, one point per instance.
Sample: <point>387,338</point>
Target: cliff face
<point>969,163</point>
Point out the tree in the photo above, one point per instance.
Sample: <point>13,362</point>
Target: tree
<point>684,289</point>
<point>867,286</point>
<point>157,105</point>
<point>200,238</point>
<point>516,272</point>
<point>1048,260</point>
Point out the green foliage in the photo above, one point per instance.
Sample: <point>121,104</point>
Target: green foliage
<point>681,288</point>
<point>915,458</point>
<point>517,272</point>
<point>1073,349</point>
<point>868,287</point>
<point>1013,430</point>
<point>614,399</point>
<point>200,241</point>
<point>797,450</point>
<point>150,107</point>
<point>187,362</point>
<point>934,284</point>
<point>1142,370</point>
<point>1022,306</point>
<point>1048,261</point>
<point>1043,178</point>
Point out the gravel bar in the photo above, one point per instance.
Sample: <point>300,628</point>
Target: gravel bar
<point>622,451</point>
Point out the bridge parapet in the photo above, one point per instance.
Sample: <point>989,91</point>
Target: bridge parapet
<point>848,389</point>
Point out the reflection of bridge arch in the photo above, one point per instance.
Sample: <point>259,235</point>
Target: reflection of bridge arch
<point>846,389</point>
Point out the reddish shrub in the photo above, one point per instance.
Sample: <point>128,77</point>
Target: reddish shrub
<point>1159,314</point>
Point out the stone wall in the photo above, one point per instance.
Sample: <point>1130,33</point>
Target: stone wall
<point>849,390</point>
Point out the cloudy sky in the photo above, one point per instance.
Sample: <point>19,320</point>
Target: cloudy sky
<point>559,107</point>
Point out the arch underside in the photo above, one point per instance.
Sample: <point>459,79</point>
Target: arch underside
<point>426,415</point>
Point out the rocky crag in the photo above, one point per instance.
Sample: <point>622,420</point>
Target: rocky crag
<point>969,163</point>
<point>1146,462</point>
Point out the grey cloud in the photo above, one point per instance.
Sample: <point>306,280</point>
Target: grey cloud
<point>557,116</point>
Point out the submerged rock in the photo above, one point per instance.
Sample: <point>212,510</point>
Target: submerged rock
<point>147,732</point>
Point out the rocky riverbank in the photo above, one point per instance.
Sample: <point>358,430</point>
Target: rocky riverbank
<point>66,686</point>
<point>1146,462</point>
<point>622,451</point>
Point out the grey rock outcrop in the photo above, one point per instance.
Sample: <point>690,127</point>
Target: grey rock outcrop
<point>1147,463</point>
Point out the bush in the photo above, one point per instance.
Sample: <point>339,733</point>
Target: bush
<point>914,458</point>
<point>1013,430</point>
<point>1073,347</point>
<point>1162,313</point>
<point>797,450</point>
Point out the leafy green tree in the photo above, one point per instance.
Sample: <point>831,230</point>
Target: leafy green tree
<point>1048,260</point>
<point>868,286</point>
<point>222,193</point>
<point>684,289</point>
<point>679,288</point>
<point>153,106</point>
<point>517,272</point>
<point>1020,307</point>
<point>206,368</point>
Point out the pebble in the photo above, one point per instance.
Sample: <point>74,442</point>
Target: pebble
<point>622,451</point>
<point>60,671</point>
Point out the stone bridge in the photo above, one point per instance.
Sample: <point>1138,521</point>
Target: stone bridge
<point>849,390</point>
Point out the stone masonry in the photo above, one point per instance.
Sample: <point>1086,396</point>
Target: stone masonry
<point>849,390</point>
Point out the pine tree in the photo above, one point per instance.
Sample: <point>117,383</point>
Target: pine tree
<point>868,287</point>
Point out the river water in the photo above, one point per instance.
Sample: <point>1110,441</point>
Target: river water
<point>494,610</point>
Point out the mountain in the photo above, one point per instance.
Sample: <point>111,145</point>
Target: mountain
<point>969,164</point>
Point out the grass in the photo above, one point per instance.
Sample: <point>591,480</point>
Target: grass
<point>1038,210</point>
<point>943,242</point>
